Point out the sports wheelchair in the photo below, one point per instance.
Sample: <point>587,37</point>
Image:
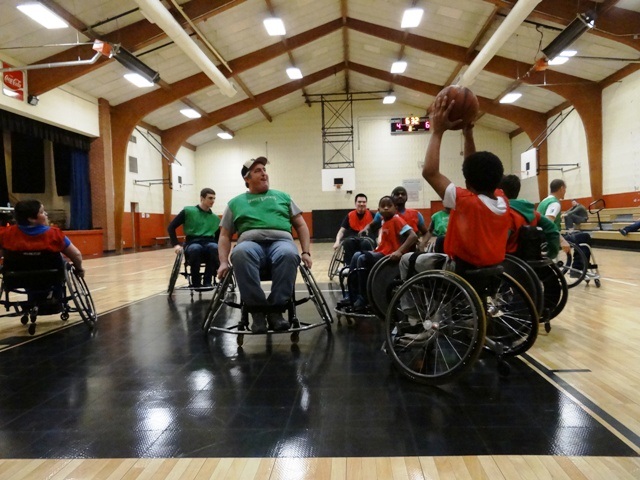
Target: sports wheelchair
<point>438,322</point>
<point>382,282</point>
<point>50,284</point>
<point>224,295</point>
<point>578,265</point>
<point>181,267</point>
<point>337,263</point>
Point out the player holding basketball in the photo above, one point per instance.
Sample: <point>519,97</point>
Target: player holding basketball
<point>479,221</point>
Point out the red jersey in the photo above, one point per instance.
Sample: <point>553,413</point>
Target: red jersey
<point>14,239</point>
<point>358,224</point>
<point>475,234</point>
<point>390,236</point>
<point>411,217</point>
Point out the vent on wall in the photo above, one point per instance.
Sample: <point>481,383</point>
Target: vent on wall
<point>133,139</point>
<point>133,165</point>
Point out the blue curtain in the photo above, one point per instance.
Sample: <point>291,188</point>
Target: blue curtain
<point>80,191</point>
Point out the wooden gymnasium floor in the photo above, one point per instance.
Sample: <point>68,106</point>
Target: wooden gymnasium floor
<point>148,396</point>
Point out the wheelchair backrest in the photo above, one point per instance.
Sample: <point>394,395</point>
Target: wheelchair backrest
<point>530,242</point>
<point>32,270</point>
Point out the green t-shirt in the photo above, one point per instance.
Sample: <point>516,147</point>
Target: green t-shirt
<point>440,221</point>
<point>270,210</point>
<point>544,204</point>
<point>198,223</point>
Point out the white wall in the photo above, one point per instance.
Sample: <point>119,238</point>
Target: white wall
<point>293,143</point>
<point>621,135</point>
<point>148,197</point>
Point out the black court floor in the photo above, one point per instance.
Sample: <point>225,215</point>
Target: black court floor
<point>148,383</point>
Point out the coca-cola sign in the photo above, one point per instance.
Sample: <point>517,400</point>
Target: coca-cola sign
<point>13,83</point>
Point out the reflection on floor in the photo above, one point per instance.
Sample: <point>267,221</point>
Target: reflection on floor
<point>148,383</point>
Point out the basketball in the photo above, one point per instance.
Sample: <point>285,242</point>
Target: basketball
<point>466,106</point>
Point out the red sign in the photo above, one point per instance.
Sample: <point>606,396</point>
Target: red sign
<point>13,83</point>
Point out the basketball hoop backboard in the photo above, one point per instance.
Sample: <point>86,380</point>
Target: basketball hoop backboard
<point>529,164</point>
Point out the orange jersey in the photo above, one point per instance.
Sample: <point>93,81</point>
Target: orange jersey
<point>475,234</point>
<point>391,235</point>
<point>358,224</point>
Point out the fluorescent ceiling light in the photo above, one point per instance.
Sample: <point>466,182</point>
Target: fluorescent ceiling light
<point>568,53</point>
<point>274,26</point>
<point>510,97</point>
<point>190,112</point>
<point>411,17</point>
<point>42,15</point>
<point>138,80</point>
<point>398,67</point>
<point>558,61</point>
<point>389,99</point>
<point>225,135</point>
<point>294,73</point>
<point>8,92</point>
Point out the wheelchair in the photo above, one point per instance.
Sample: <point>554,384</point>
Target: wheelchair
<point>438,322</point>
<point>577,265</point>
<point>337,263</point>
<point>543,281</point>
<point>225,296</point>
<point>49,283</point>
<point>181,267</point>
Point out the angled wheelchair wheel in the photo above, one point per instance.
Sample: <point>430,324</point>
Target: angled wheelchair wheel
<point>217,300</point>
<point>512,318</point>
<point>316,297</point>
<point>337,262</point>
<point>81,297</point>
<point>382,282</point>
<point>435,327</point>
<point>556,291</point>
<point>573,265</point>
<point>526,276</point>
<point>175,272</point>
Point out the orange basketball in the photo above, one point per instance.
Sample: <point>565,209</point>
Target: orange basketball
<point>466,106</point>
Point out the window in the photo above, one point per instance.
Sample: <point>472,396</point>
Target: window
<point>133,165</point>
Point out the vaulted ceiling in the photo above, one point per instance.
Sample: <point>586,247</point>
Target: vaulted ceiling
<point>339,45</point>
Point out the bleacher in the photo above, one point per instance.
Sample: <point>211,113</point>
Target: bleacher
<point>604,230</point>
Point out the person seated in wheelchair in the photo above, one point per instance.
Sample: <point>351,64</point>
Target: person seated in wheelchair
<point>396,238</point>
<point>479,219</point>
<point>413,217</point>
<point>437,230</point>
<point>32,233</point>
<point>348,235</point>
<point>523,213</point>
<point>263,218</point>
<point>200,227</point>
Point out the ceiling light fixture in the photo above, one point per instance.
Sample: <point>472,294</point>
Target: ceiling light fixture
<point>411,17</point>
<point>274,26</point>
<point>42,15</point>
<point>225,135</point>
<point>389,99</point>
<point>559,60</point>
<point>510,97</point>
<point>582,23</point>
<point>138,80</point>
<point>398,67</point>
<point>190,113</point>
<point>294,73</point>
<point>131,62</point>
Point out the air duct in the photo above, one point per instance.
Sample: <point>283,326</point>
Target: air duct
<point>512,21</point>
<point>155,12</point>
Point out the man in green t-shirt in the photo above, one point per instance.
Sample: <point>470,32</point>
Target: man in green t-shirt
<point>550,207</point>
<point>200,225</point>
<point>263,218</point>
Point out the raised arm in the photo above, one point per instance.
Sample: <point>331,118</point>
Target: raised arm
<point>439,124</point>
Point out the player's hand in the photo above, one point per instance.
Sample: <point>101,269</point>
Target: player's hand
<point>440,115</point>
<point>177,249</point>
<point>396,256</point>
<point>223,269</point>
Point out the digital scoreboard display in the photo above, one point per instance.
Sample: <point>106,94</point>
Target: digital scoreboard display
<point>410,124</point>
